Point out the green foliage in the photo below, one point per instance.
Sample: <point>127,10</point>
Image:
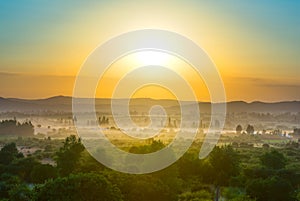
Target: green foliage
<point>153,147</point>
<point>7,183</point>
<point>273,160</point>
<point>189,165</point>
<point>298,196</point>
<point>235,194</point>
<point>69,155</point>
<point>242,198</point>
<point>43,172</point>
<point>271,181</point>
<point>196,196</point>
<point>20,193</point>
<point>273,188</point>
<point>147,188</point>
<point>245,174</point>
<point>142,187</point>
<point>87,163</point>
<point>224,163</point>
<point>80,187</point>
<point>23,168</point>
<point>9,153</point>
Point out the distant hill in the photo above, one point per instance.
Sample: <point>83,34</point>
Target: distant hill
<point>64,104</point>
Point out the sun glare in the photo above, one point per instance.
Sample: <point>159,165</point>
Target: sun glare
<point>133,61</point>
<point>152,58</point>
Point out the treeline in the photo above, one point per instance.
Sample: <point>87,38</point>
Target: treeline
<point>15,128</point>
<point>227,173</point>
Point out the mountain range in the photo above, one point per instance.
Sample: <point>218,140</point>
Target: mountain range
<point>64,104</point>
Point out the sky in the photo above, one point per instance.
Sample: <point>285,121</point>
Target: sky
<point>255,44</point>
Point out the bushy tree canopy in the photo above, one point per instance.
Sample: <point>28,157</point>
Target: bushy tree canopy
<point>79,187</point>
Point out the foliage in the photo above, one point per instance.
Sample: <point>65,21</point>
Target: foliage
<point>9,153</point>
<point>224,163</point>
<point>196,196</point>
<point>245,174</point>
<point>7,183</point>
<point>298,196</point>
<point>242,198</point>
<point>13,127</point>
<point>272,188</point>
<point>69,155</point>
<point>80,187</point>
<point>273,160</point>
<point>87,163</point>
<point>21,193</point>
<point>189,165</point>
<point>23,168</point>
<point>235,194</point>
<point>43,172</point>
<point>153,147</point>
<point>250,129</point>
<point>148,188</point>
<point>144,187</point>
<point>239,129</point>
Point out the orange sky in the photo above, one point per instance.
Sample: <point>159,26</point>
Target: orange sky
<point>254,45</point>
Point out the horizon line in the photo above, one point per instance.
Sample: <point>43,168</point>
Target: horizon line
<point>162,99</point>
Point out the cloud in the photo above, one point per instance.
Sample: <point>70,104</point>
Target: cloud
<point>9,74</point>
<point>268,82</point>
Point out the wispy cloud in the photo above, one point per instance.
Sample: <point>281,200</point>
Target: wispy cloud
<point>267,82</point>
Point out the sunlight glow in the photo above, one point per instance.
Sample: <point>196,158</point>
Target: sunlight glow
<point>133,61</point>
<point>152,57</point>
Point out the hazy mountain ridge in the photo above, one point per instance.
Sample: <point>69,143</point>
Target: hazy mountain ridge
<point>64,104</point>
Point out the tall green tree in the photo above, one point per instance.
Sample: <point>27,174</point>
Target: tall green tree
<point>9,153</point>
<point>68,156</point>
<point>224,163</point>
<point>273,160</point>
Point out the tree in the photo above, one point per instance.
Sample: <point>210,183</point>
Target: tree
<point>43,172</point>
<point>298,196</point>
<point>13,127</point>
<point>20,192</point>
<point>250,129</point>
<point>144,187</point>
<point>272,188</point>
<point>196,196</point>
<point>225,164</point>
<point>88,163</point>
<point>103,120</point>
<point>239,129</point>
<point>23,167</point>
<point>9,153</point>
<point>80,187</point>
<point>7,183</point>
<point>69,155</point>
<point>273,160</point>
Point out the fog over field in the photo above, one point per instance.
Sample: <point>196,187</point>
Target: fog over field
<point>53,116</point>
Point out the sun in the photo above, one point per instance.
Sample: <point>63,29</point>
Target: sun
<point>152,57</point>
